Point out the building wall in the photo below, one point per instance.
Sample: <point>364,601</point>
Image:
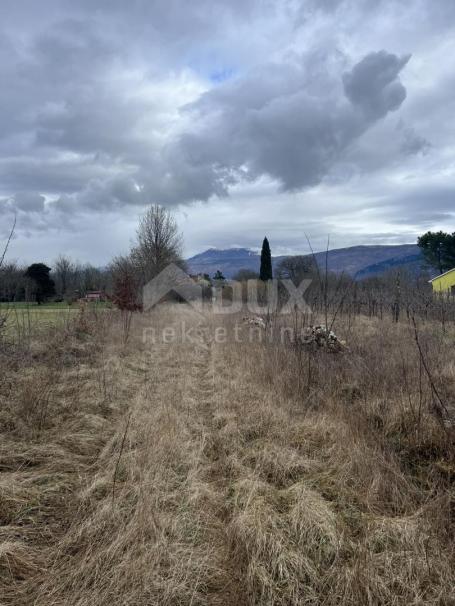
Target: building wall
<point>444,283</point>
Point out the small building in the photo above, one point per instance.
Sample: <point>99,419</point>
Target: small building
<point>445,283</point>
<point>94,296</point>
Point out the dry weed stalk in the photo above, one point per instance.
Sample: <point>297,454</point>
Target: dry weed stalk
<point>122,446</point>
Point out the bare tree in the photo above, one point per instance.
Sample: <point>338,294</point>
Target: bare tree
<point>159,242</point>
<point>4,315</point>
<point>243,275</point>
<point>12,282</point>
<point>5,250</point>
<point>296,268</point>
<point>64,273</point>
<point>87,277</point>
<point>124,284</point>
<point>125,292</point>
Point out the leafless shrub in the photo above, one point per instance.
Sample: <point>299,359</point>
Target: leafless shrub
<point>4,313</point>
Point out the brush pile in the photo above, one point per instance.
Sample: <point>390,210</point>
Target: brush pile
<point>255,321</point>
<point>321,336</point>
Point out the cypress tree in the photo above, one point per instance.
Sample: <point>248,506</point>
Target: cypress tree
<point>266,262</point>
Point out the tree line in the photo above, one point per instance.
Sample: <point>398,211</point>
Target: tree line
<point>158,243</point>
<point>67,280</point>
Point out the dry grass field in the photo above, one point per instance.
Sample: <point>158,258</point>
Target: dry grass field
<point>214,469</point>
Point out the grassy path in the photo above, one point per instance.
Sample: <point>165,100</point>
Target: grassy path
<point>209,483</point>
<point>161,538</point>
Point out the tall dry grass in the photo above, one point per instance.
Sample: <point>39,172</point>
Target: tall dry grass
<point>58,404</point>
<point>224,471</point>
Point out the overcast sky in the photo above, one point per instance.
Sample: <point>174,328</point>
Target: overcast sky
<point>247,117</point>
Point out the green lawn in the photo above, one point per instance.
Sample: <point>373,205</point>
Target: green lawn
<point>29,318</point>
<point>34,306</point>
<point>53,306</point>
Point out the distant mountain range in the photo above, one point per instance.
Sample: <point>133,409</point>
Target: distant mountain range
<point>357,261</point>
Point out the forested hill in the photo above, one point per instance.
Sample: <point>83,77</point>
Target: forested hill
<point>358,261</point>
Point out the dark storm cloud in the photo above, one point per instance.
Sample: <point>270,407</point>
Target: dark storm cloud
<point>283,122</point>
<point>373,86</point>
<point>107,106</point>
<point>65,97</point>
<point>101,195</point>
